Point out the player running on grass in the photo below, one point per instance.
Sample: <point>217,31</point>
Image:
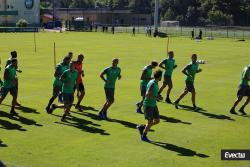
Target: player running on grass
<point>13,55</point>
<point>190,71</point>
<point>151,111</point>
<point>9,84</point>
<point>79,85</point>
<point>57,84</point>
<point>68,78</point>
<point>244,90</point>
<point>168,65</point>
<point>145,78</point>
<point>112,73</point>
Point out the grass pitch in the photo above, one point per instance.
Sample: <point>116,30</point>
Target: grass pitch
<point>183,138</point>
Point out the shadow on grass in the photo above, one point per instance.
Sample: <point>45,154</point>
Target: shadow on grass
<point>19,118</point>
<point>180,150</point>
<point>2,145</point>
<point>84,125</point>
<point>10,126</point>
<point>24,109</point>
<point>173,120</point>
<point>203,112</point>
<point>87,108</point>
<point>122,122</point>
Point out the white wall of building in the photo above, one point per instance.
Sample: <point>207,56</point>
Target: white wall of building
<point>27,9</point>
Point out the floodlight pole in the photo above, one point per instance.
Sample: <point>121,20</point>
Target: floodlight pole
<point>156,14</point>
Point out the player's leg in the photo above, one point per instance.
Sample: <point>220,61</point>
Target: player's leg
<point>183,94</point>
<point>170,86</point>
<point>148,113</point>
<point>244,105</point>
<point>3,94</point>
<point>164,84</point>
<point>240,94</point>
<point>247,93</point>
<point>56,91</point>
<point>18,104</point>
<point>68,101</point>
<point>109,92</point>
<point>80,97</point>
<point>13,92</point>
<point>140,104</point>
<point>193,98</point>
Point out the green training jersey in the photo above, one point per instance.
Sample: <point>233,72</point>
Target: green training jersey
<point>60,68</point>
<point>152,85</point>
<point>147,74</point>
<point>112,73</point>
<point>69,81</point>
<point>243,81</point>
<point>10,81</point>
<point>169,66</point>
<point>192,70</point>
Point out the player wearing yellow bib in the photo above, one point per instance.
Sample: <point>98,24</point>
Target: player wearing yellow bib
<point>190,71</point>
<point>244,90</point>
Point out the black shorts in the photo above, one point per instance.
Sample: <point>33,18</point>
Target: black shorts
<point>143,90</point>
<point>243,91</point>
<point>110,93</point>
<point>81,87</point>
<point>190,86</point>
<point>56,90</point>
<point>151,113</point>
<point>5,91</point>
<point>68,98</point>
<point>167,80</point>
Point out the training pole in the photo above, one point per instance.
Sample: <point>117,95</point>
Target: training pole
<point>54,54</point>
<point>35,40</point>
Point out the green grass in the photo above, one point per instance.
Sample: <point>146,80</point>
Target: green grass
<point>38,139</point>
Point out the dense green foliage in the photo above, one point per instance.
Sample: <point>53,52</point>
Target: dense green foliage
<point>188,12</point>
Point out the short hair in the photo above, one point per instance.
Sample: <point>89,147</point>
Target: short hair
<point>194,55</point>
<point>170,52</point>
<point>66,58</point>
<point>115,59</point>
<point>80,55</point>
<point>157,74</point>
<point>154,63</point>
<point>13,53</point>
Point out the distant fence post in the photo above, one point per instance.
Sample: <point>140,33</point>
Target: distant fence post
<point>227,32</point>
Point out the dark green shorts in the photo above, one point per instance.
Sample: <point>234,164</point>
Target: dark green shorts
<point>56,90</point>
<point>5,91</point>
<point>81,87</point>
<point>243,90</point>
<point>190,86</point>
<point>110,93</point>
<point>68,98</point>
<point>167,80</point>
<point>151,113</point>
